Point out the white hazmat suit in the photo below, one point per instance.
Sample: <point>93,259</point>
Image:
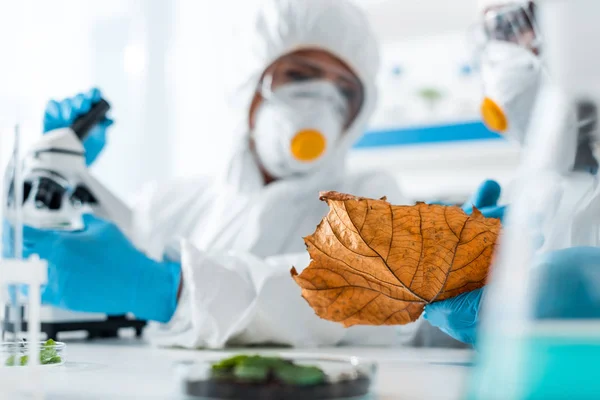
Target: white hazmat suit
<point>513,78</point>
<point>238,238</point>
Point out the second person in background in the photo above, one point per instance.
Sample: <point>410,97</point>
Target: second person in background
<point>513,73</point>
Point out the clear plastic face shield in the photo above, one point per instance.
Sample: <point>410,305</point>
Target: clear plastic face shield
<point>513,23</point>
<point>307,103</point>
<point>508,44</point>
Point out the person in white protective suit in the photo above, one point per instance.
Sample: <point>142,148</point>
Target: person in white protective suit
<point>307,91</point>
<point>514,76</point>
<point>212,257</point>
<point>513,73</point>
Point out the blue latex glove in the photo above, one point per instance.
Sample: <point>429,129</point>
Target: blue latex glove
<point>99,270</point>
<point>485,199</point>
<point>457,317</point>
<point>62,115</point>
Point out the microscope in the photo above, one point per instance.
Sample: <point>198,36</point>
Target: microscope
<point>58,189</point>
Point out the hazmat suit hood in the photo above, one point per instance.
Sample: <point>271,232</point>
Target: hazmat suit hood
<point>281,27</point>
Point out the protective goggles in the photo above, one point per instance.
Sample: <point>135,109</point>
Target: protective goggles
<point>515,23</point>
<point>295,69</point>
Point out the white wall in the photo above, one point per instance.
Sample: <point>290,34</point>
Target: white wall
<point>406,19</point>
<point>53,49</point>
<point>205,46</point>
<point>441,62</point>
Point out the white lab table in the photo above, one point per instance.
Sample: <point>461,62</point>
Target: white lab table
<point>131,369</point>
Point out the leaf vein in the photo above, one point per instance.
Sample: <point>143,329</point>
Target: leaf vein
<point>384,262</point>
<point>362,273</point>
<point>422,248</point>
<point>451,263</point>
<point>473,260</point>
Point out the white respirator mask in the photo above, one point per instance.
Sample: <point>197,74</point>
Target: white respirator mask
<point>298,126</point>
<point>512,77</point>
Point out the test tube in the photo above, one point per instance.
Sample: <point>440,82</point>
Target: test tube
<point>18,224</point>
<point>13,178</point>
<point>4,294</point>
<point>18,188</point>
<point>34,290</point>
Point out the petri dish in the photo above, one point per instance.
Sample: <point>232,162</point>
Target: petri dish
<point>15,354</point>
<point>345,378</point>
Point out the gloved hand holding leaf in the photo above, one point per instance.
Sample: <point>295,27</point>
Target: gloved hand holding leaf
<point>378,264</point>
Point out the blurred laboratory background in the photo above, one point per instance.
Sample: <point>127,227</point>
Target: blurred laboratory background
<point>164,65</point>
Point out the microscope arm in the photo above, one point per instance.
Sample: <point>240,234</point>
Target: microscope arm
<point>109,206</point>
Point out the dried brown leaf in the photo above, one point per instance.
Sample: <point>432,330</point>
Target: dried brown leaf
<point>378,264</point>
